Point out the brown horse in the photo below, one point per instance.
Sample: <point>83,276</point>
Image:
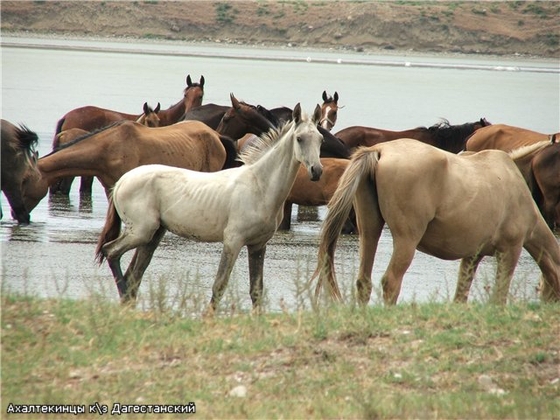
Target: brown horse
<point>110,152</point>
<point>541,176</point>
<point>443,135</point>
<point>318,193</point>
<point>20,179</point>
<point>503,137</point>
<point>150,117</point>
<point>329,111</point>
<point>241,119</point>
<point>91,118</point>
<point>546,172</point>
<point>446,205</point>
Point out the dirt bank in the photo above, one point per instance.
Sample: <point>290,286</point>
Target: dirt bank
<point>501,28</point>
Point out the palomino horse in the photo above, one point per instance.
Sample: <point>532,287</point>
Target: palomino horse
<point>543,177</point>
<point>19,174</point>
<point>446,205</point>
<point>91,118</point>
<point>110,152</point>
<point>329,111</point>
<point>239,207</point>
<point>306,193</point>
<point>150,117</point>
<point>444,136</point>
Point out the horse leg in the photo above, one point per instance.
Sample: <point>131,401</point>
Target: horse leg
<point>403,253</point>
<point>467,271</point>
<point>287,219</point>
<point>230,253</point>
<point>86,185</point>
<point>543,247</point>
<point>370,225</point>
<point>507,260</point>
<point>140,261</point>
<point>256,263</point>
<point>114,250</point>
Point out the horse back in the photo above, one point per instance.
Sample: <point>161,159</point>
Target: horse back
<point>91,118</point>
<point>502,137</point>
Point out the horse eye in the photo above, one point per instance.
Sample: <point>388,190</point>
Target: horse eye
<point>298,139</point>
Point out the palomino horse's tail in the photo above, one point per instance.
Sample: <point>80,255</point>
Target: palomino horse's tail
<point>110,231</point>
<point>361,168</point>
<point>231,152</point>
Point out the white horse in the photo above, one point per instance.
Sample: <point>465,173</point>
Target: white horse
<point>239,206</point>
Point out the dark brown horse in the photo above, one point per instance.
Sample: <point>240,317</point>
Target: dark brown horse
<point>243,118</point>
<point>209,114</point>
<point>546,172</point>
<point>91,118</point>
<point>110,152</point>
<point>19,175</point>
<point>329,111</point>
<point>444,136</point>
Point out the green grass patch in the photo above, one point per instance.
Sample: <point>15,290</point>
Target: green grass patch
<point>421,361</point>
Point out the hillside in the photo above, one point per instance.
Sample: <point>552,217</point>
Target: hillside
<point>501,28</point>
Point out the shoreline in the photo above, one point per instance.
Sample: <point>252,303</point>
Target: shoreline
<point>392,58</point>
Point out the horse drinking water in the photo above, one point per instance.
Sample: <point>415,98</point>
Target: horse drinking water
<point>239,207</point>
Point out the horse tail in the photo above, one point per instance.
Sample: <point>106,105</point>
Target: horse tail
<point>110,232</point>
<point>231,152</point>
<point>361,168</point>
<point>58,130</point>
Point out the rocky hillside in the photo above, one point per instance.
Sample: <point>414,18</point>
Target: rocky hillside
<point>530,28</point>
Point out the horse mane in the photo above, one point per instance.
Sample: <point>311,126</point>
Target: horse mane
<point>451,137</point>
<point>264,143</point>
<point>87,135</point>
<point>27,139</point>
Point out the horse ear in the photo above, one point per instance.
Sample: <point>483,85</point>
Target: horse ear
<point>336,97</point>
<point>325,97</point>
<point>158,107</point>
<point>296,113</point>
<point>317,114</point>
<point>201,83</point>
<point>146,108</point>
<point>234,101</point>
<point>189,81</point>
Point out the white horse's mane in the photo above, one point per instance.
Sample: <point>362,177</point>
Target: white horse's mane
<point>256,149</point>
<point>523,151</point>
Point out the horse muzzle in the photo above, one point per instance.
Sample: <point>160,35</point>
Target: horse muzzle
<point>315,172</point>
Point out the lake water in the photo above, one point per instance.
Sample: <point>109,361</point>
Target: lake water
<point>42,79</point>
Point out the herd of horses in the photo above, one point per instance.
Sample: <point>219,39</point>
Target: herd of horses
<point>231,173</point>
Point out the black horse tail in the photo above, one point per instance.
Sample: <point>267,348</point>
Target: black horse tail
<point>58,130</point>
<point>231,152</point>
<point>110,232</point>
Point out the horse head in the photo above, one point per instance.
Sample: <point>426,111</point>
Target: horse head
<point>329,111</point>
<point>194,92</point>
<point>241,119</point>
<point>308,141</point>
<point>150,117</point>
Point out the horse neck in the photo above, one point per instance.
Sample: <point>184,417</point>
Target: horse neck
<point>276,170</point>
<point>172,114</point>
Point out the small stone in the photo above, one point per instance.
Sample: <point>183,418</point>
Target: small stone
<point>239,391</point>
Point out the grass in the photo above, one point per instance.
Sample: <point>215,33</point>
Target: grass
<point>421,361</point>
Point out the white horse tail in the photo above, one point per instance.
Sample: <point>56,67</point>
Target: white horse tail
<point>110,232</point>
<point>361,167</point>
